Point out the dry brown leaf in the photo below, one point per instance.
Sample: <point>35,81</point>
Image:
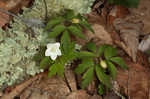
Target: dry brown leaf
<point>129,36</point>
<point>54,87</point>
<point>135,81</point>
<point>80,94</point>
<point>142,13</point>
<point>16,91</point>
<point>13,6</point>
<point>70,77</point>
<point>101,35</point>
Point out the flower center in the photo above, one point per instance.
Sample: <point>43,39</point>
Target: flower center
<point>53,50</point>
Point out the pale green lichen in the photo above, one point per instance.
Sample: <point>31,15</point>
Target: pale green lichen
<point>79,6</point>
<point>18,44</point>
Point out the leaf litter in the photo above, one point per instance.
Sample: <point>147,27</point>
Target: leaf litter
<point>135,81</point>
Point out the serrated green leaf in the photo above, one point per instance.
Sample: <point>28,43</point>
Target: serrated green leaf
<point>86,63</point>
<point>102,76</point>
<point>87,77</point>
<point>82,54</point>
<point>65,42</point>
<point>112,69</point>
<point>119,61</point>
<point>110,52</point>
<point>91,46</point>
<point>101,89</point>
<point>46,61</point>
<point>76,32</point>
<point>53,22</point>
<point>57,30</point>
<point>87,25</point>
<point>101,49</point>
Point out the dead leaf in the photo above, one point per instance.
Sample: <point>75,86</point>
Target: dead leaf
<point>135,81</point>
<point>13,6</point>
<point>101,35</point>
<point>16,91</point>
<point>70,77</point>
<point>142,13</point>
<point>80,94</point>
<point>129,36</point>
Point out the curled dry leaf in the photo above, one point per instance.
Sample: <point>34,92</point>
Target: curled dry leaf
<point>129,35</point>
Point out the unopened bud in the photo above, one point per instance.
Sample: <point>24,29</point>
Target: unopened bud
<point>75,20</point>
<point>103,64</point>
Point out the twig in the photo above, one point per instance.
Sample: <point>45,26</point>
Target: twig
<point>29,22</point>
<point>46,12</point>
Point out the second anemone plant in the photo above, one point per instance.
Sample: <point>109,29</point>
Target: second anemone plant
<point>94,62</point>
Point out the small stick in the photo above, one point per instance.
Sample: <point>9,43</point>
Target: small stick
<point>28,22</point>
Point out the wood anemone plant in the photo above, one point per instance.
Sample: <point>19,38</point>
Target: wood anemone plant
<point>95,62</point>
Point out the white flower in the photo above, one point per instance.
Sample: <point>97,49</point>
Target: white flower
<point>53,50</point>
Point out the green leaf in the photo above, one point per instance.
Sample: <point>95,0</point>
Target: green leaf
<point>69,14</point>
<point>65,42</point>
<point>119,61</point>
<point>52,70</point>
<point>112,69</point>
<point>101,89</point>
<point>87,77</point>
<point>111,1</point>
<point>76,32</point>
<point>91,46</point>
<point>110,52</point>
<point>60,70</point>
<point>82,54</point>
<point>45,62</point>
<point>102,76</point>
<point>53,22</point>
<point>86,63</point>
<point>57,30</point>
<point>101,49</point>
<point>56,68</point>
<point>87,25</point>
<point>126,3</point>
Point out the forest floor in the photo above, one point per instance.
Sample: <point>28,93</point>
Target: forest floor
<point>126,33</point>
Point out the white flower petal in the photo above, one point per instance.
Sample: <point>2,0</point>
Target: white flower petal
<point>47,52</point>
<point>57,44</point>
<point>58,52</point>
<point>53,57</point>
<point>53,50</point>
